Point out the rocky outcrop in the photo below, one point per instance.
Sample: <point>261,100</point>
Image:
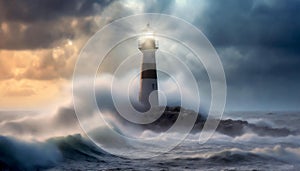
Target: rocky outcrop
<point>228,127</point>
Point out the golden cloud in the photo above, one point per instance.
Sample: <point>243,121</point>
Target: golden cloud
<point>28,94</point>
<point>30,78</point>
<point>37,58</point>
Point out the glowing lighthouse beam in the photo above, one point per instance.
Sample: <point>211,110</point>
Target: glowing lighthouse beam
<point>148,95</point>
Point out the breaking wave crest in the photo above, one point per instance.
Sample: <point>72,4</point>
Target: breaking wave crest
<point>21,155</point>
<point>24,155</point>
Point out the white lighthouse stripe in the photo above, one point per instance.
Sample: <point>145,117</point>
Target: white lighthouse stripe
<point>148,86</point>
<point>149,56</point>
<point>147,66</point>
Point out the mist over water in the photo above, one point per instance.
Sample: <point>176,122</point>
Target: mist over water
<point>245,152</point>
<point>55,141</point>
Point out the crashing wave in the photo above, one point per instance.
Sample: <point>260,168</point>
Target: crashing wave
<point>21,155</point>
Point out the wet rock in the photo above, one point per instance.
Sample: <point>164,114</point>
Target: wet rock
<point>228,127</point>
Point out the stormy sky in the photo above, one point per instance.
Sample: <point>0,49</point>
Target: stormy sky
<point>257,40</point>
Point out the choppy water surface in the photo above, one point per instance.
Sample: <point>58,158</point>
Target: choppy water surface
<point>246,152</point>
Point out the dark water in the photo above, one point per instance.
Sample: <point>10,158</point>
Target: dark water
<point>246,152</point>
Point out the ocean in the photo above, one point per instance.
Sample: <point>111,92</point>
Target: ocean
<point>248,151</point>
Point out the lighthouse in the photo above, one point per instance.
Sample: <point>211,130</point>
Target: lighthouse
<point>147,44</point>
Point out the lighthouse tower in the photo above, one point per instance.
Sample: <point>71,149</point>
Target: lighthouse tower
<point>148,84</point>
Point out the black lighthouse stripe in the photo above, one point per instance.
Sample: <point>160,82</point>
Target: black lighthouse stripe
<point>149,70</point>
<point>150,73</point>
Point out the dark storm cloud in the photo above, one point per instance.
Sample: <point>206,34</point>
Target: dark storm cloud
<point>37,35</point>
<point>258,43</point>
<point>266,33</point>
<point>34,24</point>
<point>261,78</point>
<point>258,40</point>
<point>252,23</point>
<point>35,10</point>
<point>259,63</point>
